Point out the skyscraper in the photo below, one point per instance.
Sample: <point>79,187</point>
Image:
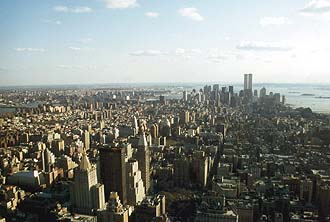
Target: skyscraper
<point>86,193</point>
<point>143,157</point>
<point>263,92</point>
<point>231,89</point>
<point>86,139</point>
<point>185,96</point>
<point>48,159</point>
<point>135,124</point>
<point>247,81</point>
<point>135,187</point>
<point>247,92</point>
<point>113,171</point>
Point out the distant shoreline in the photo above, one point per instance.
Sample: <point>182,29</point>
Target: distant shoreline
<point>155,84</point>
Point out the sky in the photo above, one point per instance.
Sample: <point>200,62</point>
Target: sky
<point>46,42</point>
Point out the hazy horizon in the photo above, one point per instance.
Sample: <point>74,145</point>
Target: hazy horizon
<point>60,42</point>
<point>161,84</point>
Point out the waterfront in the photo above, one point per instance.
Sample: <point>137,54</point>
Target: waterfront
<point>315,96</point>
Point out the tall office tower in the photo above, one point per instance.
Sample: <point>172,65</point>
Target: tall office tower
<point>185,96</point>
<point>200,168</point>
<point>277,98</point>
<point>181,174</point>
<point>58,146</point>
<point>135,124</point>
<point>216,87</point>
<point>247,81</point>
<point>113,171</point>
<point>162,100</point>
<point>324,200</point>
<point>154,131</point>
<point>101,124</point>
<point>231,89</point>
<point>255,93</point>
<point>263,92</point>
<point>184,117</point>
<point>143,157</point>
<point>86,193</point>
<point>86,139</point>
<point>135,187</point>
<point>48,159</point>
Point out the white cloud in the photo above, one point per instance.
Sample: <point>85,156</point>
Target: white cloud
<point>266,21</point>
<point>61,8</point>
<point>67,67</point>
<point>74,48</point>
<point>316,7</point>
<point>79,9</point>
<point>121,4</point>
<point>148,53</point>
<point>30,50</point>
<point>187,53</point>
<point>82,9</point>
<point>217,55</point>
<point>152,14</point>
<point>263,46</point>
<point>77,67</point>
<point>191,13</point>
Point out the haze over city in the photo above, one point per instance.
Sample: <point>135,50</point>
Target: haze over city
<point>164,111</point>
<point>133,41</point>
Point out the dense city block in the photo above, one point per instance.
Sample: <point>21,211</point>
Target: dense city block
<point>161,154</point>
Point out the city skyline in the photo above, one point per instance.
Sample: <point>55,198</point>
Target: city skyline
<point>138,41</point>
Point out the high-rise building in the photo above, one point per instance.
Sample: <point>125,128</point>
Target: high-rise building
<point>324,200</point>
<point>113,171</point>
<point>185,96</point>
<point>48,159</point>
<point>162,100</point>
<point>263,92</point>
<point>277,98</point>
<point>184,117</point>
<point>200,168</point>
<point>86,140</point>
<point>247,81</point>
<point>231,89</point>
<point>86,193</point>
<point>255,93</point>
<point>154,131</point>
<point>58,146</point>
<point>181,174</point>
<point>135,186</point>
<point>135,124</point>
<point>143,157</point>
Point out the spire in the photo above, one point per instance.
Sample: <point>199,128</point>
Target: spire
<point>84,164</point>
<point>142,140</point>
